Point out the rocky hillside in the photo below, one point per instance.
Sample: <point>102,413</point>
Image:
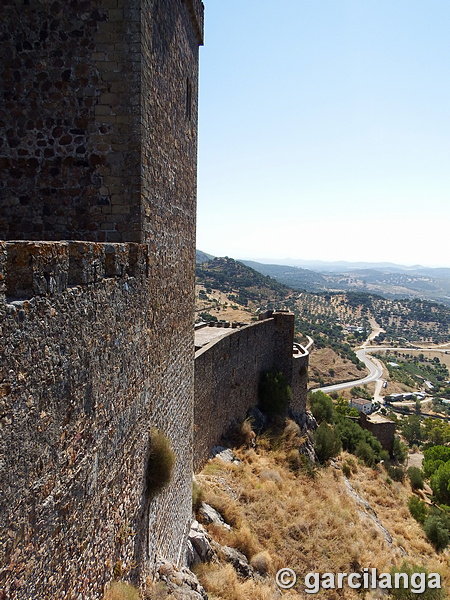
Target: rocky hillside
<point>275,514</point>
<point>325,314</point>
<point>243,285</point>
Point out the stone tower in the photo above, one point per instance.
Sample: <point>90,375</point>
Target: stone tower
<point>98,147</point>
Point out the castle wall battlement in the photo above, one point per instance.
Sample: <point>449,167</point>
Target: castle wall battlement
<point>29,269</point>
<point>98,154</point>
<point>228,374</point>
<point>98,146</point>
<point>86,372</point>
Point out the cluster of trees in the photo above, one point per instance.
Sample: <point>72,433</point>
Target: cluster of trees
<point>435,519</point>
<point>338,431</point>
<point>417,430</point>
<point>413,319</point>
<point>436,466</point>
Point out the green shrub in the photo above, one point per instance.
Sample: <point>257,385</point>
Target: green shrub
<point>349,432</point>
<point>435,454</point>
<point>322,407</point>
<point>418,509</point>
<point>365,453</point>
<point>400,450</point>
<point>326,442</point>
<point>440,483</point>
<point>412,592</point>
<point>436,532</point>
<point>415,477</point>
<point>346,469</point>
<point>160,463</point>
<point>353,436</point>
<point>274,394</point>
<point>197,496</point>
<point>395,473</point>
<point>384,455</point>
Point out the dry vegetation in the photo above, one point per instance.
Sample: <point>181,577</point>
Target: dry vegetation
<point>218,305</point>
<point>326,364</point>
<point>283,517</point>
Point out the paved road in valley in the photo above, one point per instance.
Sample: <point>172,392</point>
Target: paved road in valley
<point>375,372</point>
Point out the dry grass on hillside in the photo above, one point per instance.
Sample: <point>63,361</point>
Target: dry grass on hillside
<point>218,305</point>
<point>327,364</point>
<point>310,524</point>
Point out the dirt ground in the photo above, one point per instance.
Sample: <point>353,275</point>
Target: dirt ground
<point>325,363</point>
<point>219,306</point>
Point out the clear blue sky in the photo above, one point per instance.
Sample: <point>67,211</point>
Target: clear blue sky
<point>324,130</point>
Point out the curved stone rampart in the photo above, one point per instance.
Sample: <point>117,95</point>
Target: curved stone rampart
<point>228,373</point>
<point>93,357</point>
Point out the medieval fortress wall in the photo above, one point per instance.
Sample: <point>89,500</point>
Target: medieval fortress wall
<point>99,114</point>
<point>87,369</point>
<point>228,374</point>
<point>97,265</point>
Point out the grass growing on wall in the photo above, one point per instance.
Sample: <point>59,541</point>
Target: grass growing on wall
<point>160,463</point>
<point>121,591</point>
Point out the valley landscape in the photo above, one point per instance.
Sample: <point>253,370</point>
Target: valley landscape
<point>296,441</point>
<point>410,337</point>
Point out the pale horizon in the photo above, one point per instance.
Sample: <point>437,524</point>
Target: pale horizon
<point>324,131</point>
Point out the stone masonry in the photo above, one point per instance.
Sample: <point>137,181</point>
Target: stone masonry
<point>228,373</point>
<point>98,150</point>
<point>97,195</point>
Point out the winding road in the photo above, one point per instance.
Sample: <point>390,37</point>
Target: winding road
<point>375,372</point>
<point>375,368</point>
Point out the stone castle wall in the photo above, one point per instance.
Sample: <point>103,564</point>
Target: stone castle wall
<point>90,362</point>
<point>382,428</point>
<point>228,374</point>
<point>300,363</point>
<point>97,267</point>
<point>99,111</point>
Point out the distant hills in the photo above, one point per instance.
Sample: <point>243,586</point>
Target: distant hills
<point>385,279</point>
<point>343,266</point>
<point>337,320</point>
<point>242,283</point>
<point>202,257</point>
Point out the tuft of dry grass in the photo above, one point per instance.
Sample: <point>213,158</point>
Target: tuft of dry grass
<point>121,591</point>
<point>160,463</point>
<point>223,582</point>
<point>262,562</point>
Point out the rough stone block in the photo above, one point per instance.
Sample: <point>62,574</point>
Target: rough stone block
<point>2,269</point>
<point>86,263</point>
<point>116,260</point>
<point>138,260</point>
<point>36,268</point>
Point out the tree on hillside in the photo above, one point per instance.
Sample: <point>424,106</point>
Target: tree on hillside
<point>321,407</point>
<point>327,443</point>
<point>411,428</point>
<point>440,483</point>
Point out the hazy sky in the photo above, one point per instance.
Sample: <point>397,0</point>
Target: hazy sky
<point>324,130</point>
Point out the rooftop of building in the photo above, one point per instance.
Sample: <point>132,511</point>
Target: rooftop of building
<point>360,401</point>
<point>378,418</point>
